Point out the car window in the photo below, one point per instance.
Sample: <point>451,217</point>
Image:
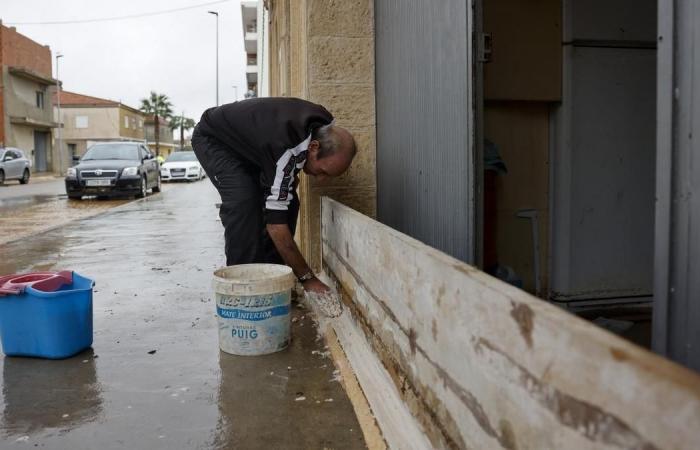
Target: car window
<point>13,154</point>
<point>112,151</point>
<point>181,156</point>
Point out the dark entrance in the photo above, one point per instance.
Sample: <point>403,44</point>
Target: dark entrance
<point>41,144</point>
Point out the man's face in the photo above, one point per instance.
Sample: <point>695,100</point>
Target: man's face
<point>331,166</point>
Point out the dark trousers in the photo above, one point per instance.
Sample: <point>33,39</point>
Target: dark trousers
<point>242,203</point>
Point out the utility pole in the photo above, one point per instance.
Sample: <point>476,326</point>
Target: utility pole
<point>58,104</point>
<point>182,131</point>
<point>217,55</point>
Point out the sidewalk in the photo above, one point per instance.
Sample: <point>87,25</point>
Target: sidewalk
<point>38,177</point>
<point>156,378</point>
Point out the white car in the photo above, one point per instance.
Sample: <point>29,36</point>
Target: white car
<point>181,166</point>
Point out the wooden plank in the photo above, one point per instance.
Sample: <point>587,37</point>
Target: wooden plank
<point>399,428</point>
<point>368,421</point>
<point>486,365</point>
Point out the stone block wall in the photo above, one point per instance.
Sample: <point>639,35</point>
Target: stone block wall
<point>323,51</point>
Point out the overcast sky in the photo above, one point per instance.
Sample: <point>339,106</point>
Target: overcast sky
<point>124,60</point>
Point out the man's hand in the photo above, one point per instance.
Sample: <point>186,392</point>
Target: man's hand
<point>315,285</point>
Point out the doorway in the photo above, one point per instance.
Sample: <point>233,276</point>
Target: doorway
<point>41,143</point>
<point>569,152</point>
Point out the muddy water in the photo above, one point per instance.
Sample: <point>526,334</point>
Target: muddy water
<point>24,216</point>
<point>155,378</point>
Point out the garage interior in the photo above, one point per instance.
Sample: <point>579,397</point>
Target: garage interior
<point>569,131</point>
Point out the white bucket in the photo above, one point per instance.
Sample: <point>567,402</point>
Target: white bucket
<point>252,306</point>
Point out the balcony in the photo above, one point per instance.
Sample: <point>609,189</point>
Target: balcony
<point>251,42</point>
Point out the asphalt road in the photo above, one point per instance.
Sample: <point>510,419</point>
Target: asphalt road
<point>155,378</point>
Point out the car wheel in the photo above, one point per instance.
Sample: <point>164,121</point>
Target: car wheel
<point>156,188</point>
<point>2,177</point>
<point>144,189</point>
<point>25,177</point>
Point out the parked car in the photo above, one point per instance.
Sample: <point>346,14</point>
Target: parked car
<point>182,166</point>
<point>14,165</point>
<point>112,169</point>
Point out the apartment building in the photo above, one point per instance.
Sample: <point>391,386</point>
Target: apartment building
<point>26,108</point>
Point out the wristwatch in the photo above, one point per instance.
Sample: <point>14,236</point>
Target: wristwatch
<point>307,276</point>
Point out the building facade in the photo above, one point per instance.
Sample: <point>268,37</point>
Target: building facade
<point>26,108</point>
<point>252,44</point>
<point>590,107</point>
<point>88,119</point>
<point>592,119</point>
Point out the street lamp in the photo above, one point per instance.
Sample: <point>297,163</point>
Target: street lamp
<point>217,55</point>
<point>58,104</point>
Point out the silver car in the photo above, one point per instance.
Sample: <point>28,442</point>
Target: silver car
<point>14,165</point>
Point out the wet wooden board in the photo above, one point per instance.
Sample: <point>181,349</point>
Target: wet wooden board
<point>484,365</point>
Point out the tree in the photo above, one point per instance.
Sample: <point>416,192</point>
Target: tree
<point>157,105</point>
<point>183,123</point>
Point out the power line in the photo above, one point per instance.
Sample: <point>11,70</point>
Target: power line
<point>109,19</point>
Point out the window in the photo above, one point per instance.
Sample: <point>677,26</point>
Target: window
<point>40,99</point>
<point>140,123</point>
<point>72,149</point>
<point>81,121</point>
<point>126,121</point>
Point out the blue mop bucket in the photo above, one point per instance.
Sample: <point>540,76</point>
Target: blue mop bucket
<point>45,314</point>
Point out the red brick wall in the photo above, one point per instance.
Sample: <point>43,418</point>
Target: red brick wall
<point>19,50</point>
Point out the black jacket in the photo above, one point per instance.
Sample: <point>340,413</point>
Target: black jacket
<point>272,134</point>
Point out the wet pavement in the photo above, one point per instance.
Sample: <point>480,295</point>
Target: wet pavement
<point>40,206</point>
<point>43,187</point>
<point>155,377</point>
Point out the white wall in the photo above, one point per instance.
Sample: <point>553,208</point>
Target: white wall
<point>263,50</point>
<point>103,123</point>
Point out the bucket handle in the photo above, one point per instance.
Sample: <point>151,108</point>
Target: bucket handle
<point>51,283</point>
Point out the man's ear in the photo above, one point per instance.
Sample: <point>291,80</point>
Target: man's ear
<point>313,147</point>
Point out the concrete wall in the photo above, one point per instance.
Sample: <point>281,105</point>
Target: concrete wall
<point>323,51</point>
<point>135,120</point>
<point>20,98</point>
<point>19,51</point>
<point>484,365</point>
<point>103,123</point>
<point>22,137</point>
<point>19,101</point>
<point>263,50</point>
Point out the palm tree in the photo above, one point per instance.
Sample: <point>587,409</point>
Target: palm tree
<point>183,123</point>
<point>157,105</point>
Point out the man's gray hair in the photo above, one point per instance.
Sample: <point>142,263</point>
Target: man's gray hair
<point>328,142</point>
